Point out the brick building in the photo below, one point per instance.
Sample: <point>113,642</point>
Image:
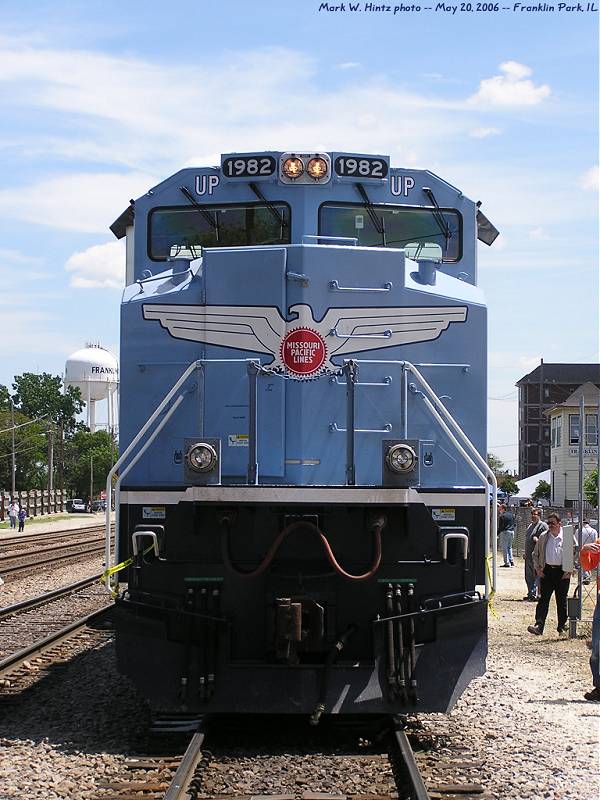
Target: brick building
<point>548,385</point>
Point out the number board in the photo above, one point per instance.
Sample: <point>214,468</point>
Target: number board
<point>360,167</point>
<point>248,166</point>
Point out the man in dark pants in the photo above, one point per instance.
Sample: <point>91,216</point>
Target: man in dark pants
<point>547,560</point>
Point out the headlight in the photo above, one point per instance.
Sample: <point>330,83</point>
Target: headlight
<point>401,458</point>
<point>292,167</point>
<point>202,457</point>
<point>317,168</point>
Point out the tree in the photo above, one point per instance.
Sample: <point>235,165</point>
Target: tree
<point>495,464</point>
<point>542,491</point>
<point>80,450</point>
<point>42,396</point>
<point>507,484</point>
<point>590,487</point>
<point>30,452</point>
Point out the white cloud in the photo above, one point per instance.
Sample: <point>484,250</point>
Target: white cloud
<point>483,133</point>
<point>348,65</point>
<point>538,234</point>
<point>100,266</point>
<point>86,202</point>
<point>590,179</point>
<point>512,88</point>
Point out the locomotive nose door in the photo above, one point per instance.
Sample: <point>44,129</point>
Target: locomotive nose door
<point>248,288</point>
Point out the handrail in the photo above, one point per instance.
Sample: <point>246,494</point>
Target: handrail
<point>468,451</point>
<point>132,445</point>
<point>196,364</point>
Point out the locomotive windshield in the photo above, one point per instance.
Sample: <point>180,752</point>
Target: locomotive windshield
<point>174,231</point>
<point>394,226</point>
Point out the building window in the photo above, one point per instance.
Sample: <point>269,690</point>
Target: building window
<point>553,432</point>
<point>573,428</point>
<point>558,431</point>
<point>591,432</point>
<point>546,392</point>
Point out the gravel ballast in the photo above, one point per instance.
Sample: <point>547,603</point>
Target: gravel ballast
<point>525,721</point>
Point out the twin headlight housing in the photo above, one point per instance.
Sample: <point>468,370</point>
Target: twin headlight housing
<point>305,168</point>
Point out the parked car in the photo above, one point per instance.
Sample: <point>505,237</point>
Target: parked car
<point>76,506</point>
<point>99,505</point>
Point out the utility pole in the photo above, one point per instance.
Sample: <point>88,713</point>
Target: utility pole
<point>91,481</point>
<point>50,435</point>
<point>13,467</point>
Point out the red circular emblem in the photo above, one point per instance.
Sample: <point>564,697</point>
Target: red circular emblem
<point>303,351</point>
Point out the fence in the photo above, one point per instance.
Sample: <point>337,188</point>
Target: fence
<point>36,502</point>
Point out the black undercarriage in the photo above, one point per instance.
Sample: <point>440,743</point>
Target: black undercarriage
<point>349,609</point>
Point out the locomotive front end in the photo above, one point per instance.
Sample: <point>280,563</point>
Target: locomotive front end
<point>304,515</point>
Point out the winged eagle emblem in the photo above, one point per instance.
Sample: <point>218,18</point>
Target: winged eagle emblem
<point>303,347</point>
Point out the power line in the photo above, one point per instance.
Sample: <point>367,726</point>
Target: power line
<point>23,424</point>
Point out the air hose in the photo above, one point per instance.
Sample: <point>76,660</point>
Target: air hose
<point>377,526</point>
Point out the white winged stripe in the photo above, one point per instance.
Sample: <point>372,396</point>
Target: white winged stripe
<point>404,326</point>
<point>254,328</point>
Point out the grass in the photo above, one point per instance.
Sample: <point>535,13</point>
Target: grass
<point>45,518</point>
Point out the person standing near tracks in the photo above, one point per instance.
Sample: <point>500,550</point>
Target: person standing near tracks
<point>22,516</point>
<point>534,531</point>
<point>590,559</point>
<point>547,560</point>
<point>506,533</point>
<point>13,512</point>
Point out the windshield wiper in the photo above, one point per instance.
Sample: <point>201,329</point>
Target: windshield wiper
<point>279,217</point>
<point>438,216</point>
<point>378,222</point>
<point>212,221</point>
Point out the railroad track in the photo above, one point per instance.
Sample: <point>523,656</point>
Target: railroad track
<point>38,657</point>
<point>42,538</point>
<point>14,563</point>
<point>388,761</point>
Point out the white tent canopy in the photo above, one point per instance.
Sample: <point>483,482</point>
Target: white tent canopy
<point>529,485</point>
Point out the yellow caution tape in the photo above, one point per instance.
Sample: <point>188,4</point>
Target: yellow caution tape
<point>492,590</point>
<point>118,567</point>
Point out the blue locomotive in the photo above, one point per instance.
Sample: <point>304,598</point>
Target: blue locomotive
<point>303,505</point>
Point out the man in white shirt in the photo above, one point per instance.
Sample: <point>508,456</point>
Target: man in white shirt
<point>547,561</point>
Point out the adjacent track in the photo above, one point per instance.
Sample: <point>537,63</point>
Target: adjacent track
<point>44,599</point>
<point>43,653</point>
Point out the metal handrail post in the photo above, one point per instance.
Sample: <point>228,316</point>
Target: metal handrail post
<point>491,520</point>
<point>253,369</point>
<point>132,464</point>
<point>474,467</point>
<point>134,442</point>
<point>351,371</point>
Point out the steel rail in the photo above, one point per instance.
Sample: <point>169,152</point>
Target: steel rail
<point>10,663</point>
<point>7,570</point>
<point>417,789</point>
<point>185,771</point>
<point>55,548</point>
<point>34,536</point>
<point>42,599</point>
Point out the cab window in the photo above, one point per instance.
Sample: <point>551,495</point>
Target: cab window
<point>183,231</point>
<point>424,232</point>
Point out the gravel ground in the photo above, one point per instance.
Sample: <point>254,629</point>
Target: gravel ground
<point>525,722</point>
<point>22,588</point>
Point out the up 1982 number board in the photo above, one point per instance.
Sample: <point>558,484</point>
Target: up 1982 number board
<point>249,166</point>
<point>352,167</point>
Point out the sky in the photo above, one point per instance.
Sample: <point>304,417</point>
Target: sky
<point>101,100</point>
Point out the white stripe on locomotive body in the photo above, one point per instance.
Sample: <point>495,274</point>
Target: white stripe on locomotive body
<point>304,495</point>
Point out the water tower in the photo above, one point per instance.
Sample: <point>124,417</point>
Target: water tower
<point>95,372</point>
